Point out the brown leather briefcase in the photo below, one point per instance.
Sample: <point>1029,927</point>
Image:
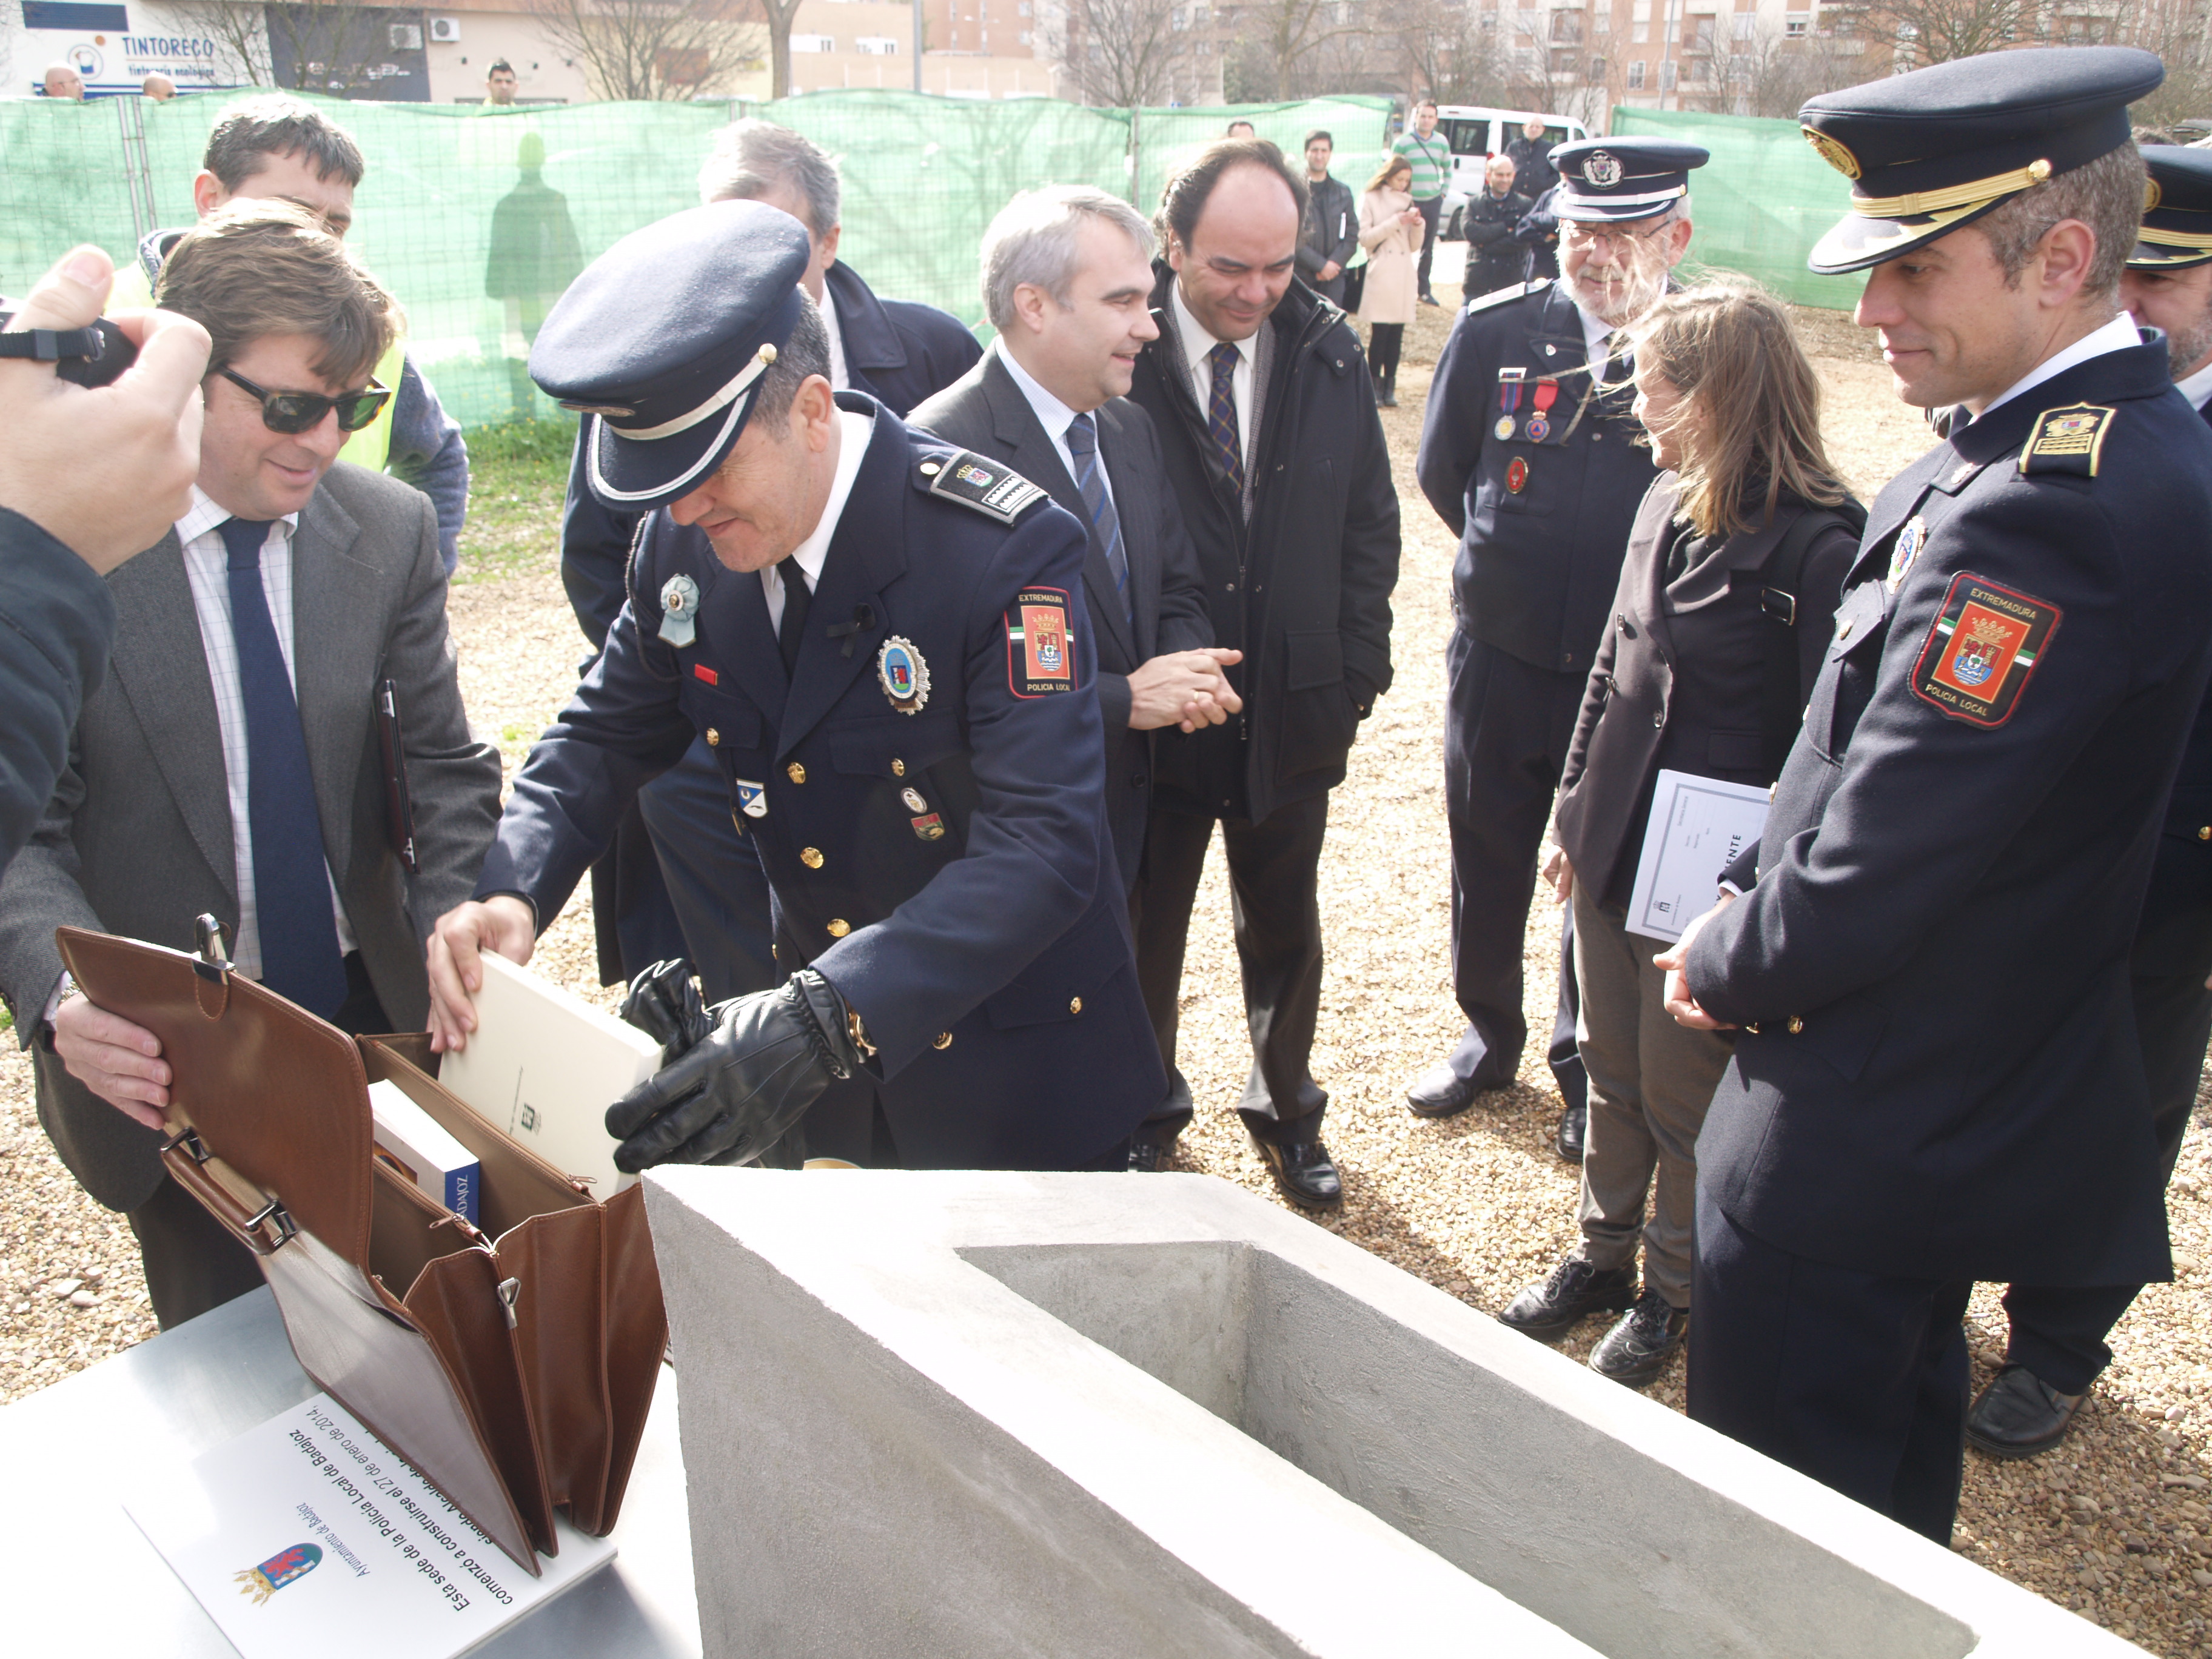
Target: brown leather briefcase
<point>514,1366</point>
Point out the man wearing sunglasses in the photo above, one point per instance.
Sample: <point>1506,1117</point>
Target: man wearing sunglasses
<point>229,763</point>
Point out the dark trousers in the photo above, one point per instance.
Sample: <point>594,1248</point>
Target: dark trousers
<point>713,877</point>
<point>1431,211</point>
<point>193,1263</point>
<point>1274,873</point>
<point>1507,725</point>
<point>2059,1332</point>
<point>1385,341</point>
<point>1857,1379</point>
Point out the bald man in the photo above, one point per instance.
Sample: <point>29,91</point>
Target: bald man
<point>63,81</point>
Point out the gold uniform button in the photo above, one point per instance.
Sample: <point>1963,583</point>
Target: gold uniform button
<point>1796,1024</point>
<point>1075,1005</point>
<point>714,738</point>
<point>839,927</point>
<point>811,857</point>
<point>2205,834</point>
<point>898,769</point>
<point>795,772</point>
<point>942,1040</point>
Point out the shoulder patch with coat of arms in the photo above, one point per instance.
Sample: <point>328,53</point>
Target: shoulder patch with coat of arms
<point>992,488</point>
<point>1982,649</point>
<point>2068,440</point>
<point>1040,644</point>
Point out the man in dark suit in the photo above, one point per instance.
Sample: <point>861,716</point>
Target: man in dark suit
<point>2058,1346</point>
<point>1265,415</point>
<point>230,763</point>
<point>881,640</point>
<point>1329,233</point>
<point>1495,258</point>
<point>1067,277</point>
<point>678,880</point>
<point>1938,1078</point>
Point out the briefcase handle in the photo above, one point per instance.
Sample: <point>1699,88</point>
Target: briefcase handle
<point>263,1230</point>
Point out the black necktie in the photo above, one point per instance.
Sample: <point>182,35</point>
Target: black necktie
<point>1090,479</point>
<point>300,955</point>
<point>1221,414</point>
<point>797,595</point>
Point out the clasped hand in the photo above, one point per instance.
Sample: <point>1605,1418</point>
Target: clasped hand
<point>1183,687</point>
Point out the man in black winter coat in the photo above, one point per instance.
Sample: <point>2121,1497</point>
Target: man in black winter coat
<point>1530,152</point>
<point>1496,258</point>
<point>1329,232</point>
<point>1267,423</point>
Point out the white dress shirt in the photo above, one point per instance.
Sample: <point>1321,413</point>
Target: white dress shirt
<point>839,376</point>
<point>1595,333</point>
<point>1196,344</point>
<point>854,432</point>
<point>2197,387</point>
<point>1056,418</point>
<point>207,566</point>
<point>2118,335</point>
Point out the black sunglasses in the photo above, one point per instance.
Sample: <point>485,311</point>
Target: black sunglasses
<point>294,412</point>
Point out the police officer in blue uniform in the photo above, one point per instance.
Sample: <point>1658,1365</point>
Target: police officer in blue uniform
<point>1937,1078</point>
<point>2057,1346</point>
<point>881,640</point>
<point>1530,453</point>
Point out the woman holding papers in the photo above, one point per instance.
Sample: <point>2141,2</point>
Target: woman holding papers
<point>1733,571</point>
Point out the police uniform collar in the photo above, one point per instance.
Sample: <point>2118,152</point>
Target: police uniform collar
<point>1931,151</point>
<point>662,342</point>
<point>2132,372</point>
<point>1629,177</point>
<point>2177,221</point>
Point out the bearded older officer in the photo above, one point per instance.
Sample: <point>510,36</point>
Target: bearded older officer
<point>1530,453</point>
<point>882,639</point>
<point>1938,1078</point>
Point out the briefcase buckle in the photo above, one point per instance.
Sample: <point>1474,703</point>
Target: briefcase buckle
<point>1782,606</point>
<point>273,1213</point>
<point>195,1148</point>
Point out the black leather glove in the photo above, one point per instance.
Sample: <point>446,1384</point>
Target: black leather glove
<point>728,1100</point>
<point>664,1002</point>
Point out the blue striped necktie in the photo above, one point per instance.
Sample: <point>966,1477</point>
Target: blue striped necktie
<point>300,955</point>
<point>1221,413</point>
<point>1090,479</point>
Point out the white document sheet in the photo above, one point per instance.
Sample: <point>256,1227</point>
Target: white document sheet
<point>307,1535</point>
<point>1698,826</point>
<point>544,1065</point>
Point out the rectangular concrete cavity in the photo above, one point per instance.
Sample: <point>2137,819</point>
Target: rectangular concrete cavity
<point>978,1413</point>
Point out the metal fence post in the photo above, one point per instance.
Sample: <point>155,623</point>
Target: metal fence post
<point>1136,158</point>
<point>137,170</point>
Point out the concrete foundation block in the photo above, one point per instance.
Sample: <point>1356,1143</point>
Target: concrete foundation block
<point>972,1414</point>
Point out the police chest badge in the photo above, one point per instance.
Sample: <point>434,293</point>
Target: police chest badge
<point>1040,654</point>
<point>1904,551</point>
<point>904,675</point>
<point>752,797</point>
<point>1981,649</point>
<point>680,610</point>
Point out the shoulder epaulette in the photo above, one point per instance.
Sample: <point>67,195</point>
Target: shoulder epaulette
<point>1515,291</point>
<point>2068,440</point>
<point>990,487</point>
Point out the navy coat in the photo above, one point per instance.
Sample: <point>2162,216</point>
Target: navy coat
<point>980,933</point>
<point>1537,563</point>
<point>1944,1081</point>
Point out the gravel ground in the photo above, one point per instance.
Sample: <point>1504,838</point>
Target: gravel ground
<point>1478,1205</point>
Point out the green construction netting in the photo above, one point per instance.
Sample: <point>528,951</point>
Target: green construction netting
<point>477,242</point>
<point>1761,203</point>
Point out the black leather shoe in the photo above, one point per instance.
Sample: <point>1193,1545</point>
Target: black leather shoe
<point>1442,1092</point>
<point>2019,1415</point>
<point>1574,1291</point>
<point>1301,1169</point>
<point>1574,1124</point>
<point>1637,1348</point>
<point>1150,1157</point>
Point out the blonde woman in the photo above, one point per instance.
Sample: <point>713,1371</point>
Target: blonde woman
<point>1390,229</point>
<point>1734,569</point>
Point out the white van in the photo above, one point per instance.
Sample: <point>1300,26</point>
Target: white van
<point>1475,135</point>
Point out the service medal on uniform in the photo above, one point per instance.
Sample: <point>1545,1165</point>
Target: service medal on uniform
<point>904,675</point>
<point>679,605</point>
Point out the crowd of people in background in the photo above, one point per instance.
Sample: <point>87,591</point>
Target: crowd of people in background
<point>925,674</point>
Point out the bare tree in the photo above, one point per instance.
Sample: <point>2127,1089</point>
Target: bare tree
<point>779,15</point>
<point>2176,31</point>
<point>1925,32</point>
<point>239,32</point>
<point>1116,52</point>
<point>1442,52</point>
<point>662,49</point>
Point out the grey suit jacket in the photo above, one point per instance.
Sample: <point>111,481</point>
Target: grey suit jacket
<point>985,411</point>
<point>137,839</point>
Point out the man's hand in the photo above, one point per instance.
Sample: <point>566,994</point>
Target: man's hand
<point>118,1061</point>
<point>1183,687</point>
<point>1677,998</point>
<point>502,924</point>
<point>107,470</point>
<point>1560,871</point>
<point>1330,271</point>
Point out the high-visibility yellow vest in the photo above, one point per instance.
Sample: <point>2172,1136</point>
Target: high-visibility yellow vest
<point>371,447</point>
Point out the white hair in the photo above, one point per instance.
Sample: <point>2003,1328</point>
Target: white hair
<point>1032,241</point>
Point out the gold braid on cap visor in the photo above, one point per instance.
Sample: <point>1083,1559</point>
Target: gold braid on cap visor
<point>1971,195</point>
